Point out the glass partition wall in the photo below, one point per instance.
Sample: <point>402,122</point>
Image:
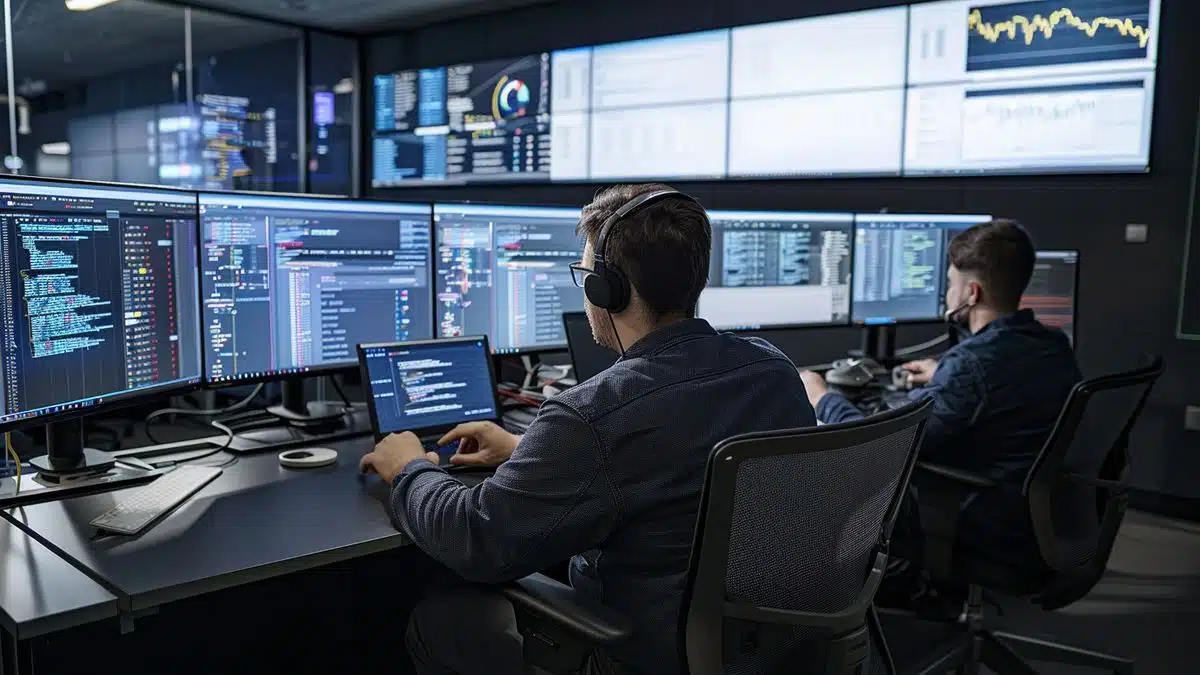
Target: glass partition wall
<point>145,92</point>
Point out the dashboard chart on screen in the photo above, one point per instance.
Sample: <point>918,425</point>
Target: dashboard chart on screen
<point>1030,86</point>
<point>98,295</point>
<point>1051,291</point>
<point>484,121</point>
<point>934,88</point>
<point>292,285</point>
<point>900,265</point>
<point>503,271</point>
<point>774,268</point>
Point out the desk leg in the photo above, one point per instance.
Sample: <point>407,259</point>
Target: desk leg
<point>16,656</point>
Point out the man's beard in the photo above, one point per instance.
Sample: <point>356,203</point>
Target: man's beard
<point>603,331</point>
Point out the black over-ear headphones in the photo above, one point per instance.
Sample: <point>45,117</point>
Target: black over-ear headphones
<point>607,287</point>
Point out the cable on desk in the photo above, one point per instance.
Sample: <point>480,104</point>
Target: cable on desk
<point>15,457</point>
<point>229,436</point>
<point>522,398</point>
<point>928,344</point>
<point>200,413</point>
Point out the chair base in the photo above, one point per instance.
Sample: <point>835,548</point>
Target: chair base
<point>1006,654</point>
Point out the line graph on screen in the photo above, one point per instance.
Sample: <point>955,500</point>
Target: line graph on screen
<point>1031,34</point>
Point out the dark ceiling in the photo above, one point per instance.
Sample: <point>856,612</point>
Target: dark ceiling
<point>54,46</point>
<point>362,16</point>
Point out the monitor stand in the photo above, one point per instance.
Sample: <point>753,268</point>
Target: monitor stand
<point>879,343</point>
<point>69,470</point>
<point>305,422</point>
<point>66,456</point>
<point>298,411</point>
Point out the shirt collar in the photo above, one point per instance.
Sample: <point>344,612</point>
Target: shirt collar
<point>668,334</point>
<point>1021,317</point>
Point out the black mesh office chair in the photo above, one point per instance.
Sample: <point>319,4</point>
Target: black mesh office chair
<point>790,547</point>
<point>1077,492</point>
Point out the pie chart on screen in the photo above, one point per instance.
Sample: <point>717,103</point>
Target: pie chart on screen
<point>510,99</point>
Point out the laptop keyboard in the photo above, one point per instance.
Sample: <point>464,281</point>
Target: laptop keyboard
<point>431,445</point>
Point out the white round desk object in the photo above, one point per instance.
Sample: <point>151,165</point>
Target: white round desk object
<point>308,458</point>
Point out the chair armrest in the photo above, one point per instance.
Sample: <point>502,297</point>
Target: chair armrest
<point>965,478</point>
<point>554,603</point>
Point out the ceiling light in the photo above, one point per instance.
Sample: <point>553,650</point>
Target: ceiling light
<point>85,5</point>
<point>59,148</point>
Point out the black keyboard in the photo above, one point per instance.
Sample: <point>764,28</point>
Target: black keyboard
<point>431,445</point>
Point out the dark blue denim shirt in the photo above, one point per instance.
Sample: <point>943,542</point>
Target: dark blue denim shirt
<point>611,472</point>
<point>997,395</point>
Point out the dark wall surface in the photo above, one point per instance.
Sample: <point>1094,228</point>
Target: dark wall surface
<point>1128,294</point>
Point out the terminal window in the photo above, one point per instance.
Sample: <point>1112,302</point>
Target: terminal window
<point>290,285</point>
<point>504,272</point>
<point>99,295</point>
<point>431,385</point>
<point>778,269</point>
<point>900,265</point>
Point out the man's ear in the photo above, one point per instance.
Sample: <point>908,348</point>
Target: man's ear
<point>977,292</point>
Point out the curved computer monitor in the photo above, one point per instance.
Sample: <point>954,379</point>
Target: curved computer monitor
<point>290,285</point>
<point>98,305</point>
<point>503,271</point>
<point>778,269</point>
<point>900,265</point>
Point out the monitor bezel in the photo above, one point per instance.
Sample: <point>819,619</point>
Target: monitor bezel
<point>280,374</point>
<point>515,351</point>
<point>103,404</point>
<point>442,428</point>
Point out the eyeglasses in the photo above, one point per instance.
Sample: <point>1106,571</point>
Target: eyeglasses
<point>579,273</point>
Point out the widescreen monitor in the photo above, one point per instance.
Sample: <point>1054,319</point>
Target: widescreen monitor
<point>1052,290</point>
<point>772,269</point>
<point>473,122</point>
<point>290,285</point>
<point>504,272</point>
<point>99,297</point>
<point>900,265</point>
<point>1020,87</point>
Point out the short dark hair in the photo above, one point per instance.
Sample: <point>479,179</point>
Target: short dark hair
<point>663,248</point>
<point>1000,254</point>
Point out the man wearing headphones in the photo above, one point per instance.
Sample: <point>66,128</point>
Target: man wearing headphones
<point>611,470</point>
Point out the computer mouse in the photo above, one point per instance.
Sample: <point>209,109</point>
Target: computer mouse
<point>850,373</point>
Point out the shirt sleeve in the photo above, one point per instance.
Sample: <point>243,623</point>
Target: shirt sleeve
<point>835,409</point>
<point>958,395</point>
<point>552,499</point>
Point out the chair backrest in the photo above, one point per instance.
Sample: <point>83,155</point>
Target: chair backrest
<point>791,545</point>
<point>1082,472</point>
